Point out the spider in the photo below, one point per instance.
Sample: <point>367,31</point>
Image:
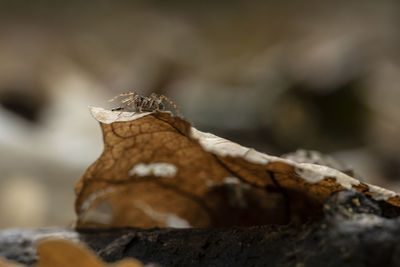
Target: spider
<point>138,103</point>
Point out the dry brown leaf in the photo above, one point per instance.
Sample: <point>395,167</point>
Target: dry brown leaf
<point>63,253</point>
<point>157,170</point>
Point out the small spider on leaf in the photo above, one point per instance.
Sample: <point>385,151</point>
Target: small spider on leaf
<point>134,102</point>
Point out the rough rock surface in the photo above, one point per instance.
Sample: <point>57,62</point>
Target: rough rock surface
<point>353,231</point>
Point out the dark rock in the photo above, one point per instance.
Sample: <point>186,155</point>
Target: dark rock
<point>355,231</point>
<point>346,205</point>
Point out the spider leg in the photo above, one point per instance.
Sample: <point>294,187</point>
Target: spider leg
<point>127,99</point>
<point>153,98</point>
<point>163,97</point>
<point>117,109</point>
<point>132,97</point>
<point>145,100</point>
<point>158,102</point>
<point>133,100</point>
<point>121,95</point>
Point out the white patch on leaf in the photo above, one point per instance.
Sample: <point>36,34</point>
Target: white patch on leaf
<point>175,221</point>
<point>169,219</point>
<point>209,183</point>
<point>314,173</point>
<point>379,193</point>
<point>231,180</point>
<point>224,147</point>
<point>159,169</point>
<point>92,197</point>
<point>102,213</point>
<point>108,116</point>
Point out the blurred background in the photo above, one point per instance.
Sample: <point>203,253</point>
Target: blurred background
<point>318,75</point>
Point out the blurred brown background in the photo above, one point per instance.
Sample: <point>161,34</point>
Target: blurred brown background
<point>317,75</point>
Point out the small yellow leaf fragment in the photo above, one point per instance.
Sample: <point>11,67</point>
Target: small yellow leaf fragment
<point>6,263</point>
<point>126,263</point>
<point>62,253</point>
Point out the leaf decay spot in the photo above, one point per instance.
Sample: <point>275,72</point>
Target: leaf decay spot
<point>155,167</point>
